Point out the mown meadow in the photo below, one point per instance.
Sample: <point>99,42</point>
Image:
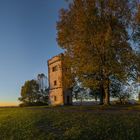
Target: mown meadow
<point>70,123</point>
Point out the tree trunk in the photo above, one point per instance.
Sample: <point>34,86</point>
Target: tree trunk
<point>121,100</point>
<point>101,93</point>
<point>107,93</point>
<point>81,101</point>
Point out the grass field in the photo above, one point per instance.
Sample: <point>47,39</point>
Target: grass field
<point>70,122</point>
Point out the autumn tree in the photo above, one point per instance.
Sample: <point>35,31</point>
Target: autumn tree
<point>95,37</point>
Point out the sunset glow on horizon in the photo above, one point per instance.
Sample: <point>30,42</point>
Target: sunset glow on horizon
<point>2,104</point>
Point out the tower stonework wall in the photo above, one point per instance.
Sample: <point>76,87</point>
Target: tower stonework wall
<point>58,94</point>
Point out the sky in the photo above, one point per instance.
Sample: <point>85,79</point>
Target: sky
<point>27,41</point>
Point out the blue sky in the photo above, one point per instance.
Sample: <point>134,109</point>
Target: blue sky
<point>27,41</point>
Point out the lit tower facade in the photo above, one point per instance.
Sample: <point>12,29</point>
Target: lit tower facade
<point>58,93</point>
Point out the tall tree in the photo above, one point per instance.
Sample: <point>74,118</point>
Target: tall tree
<point>29,92</point>
<point>95,37</point>
<point>42,81</point>
<point>136,37</point>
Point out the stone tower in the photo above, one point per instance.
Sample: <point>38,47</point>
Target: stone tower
<point>58,94</point>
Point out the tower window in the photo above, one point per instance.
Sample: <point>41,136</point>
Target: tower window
<point>55,68</point>
<point>55,99</point>
<point>55,83</point>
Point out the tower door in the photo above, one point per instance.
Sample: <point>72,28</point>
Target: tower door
<point>68,100</point>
